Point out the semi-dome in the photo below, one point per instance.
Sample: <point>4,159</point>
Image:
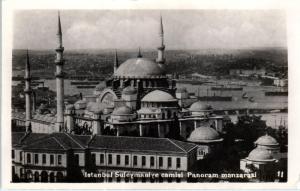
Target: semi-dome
<point>123,110</point>
<point>139,68</point>
<point>204,134</point>
<point>158,96</point>
<point>266,140</point>
<point>260,155</point>
<point>129,90</point>
<point>200,106</point>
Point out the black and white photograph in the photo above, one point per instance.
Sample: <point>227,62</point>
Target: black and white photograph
<point>149,96</point>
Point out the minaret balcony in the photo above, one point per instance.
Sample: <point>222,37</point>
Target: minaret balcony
<point>27,78</point>
<point>161,47</point>
<point>59,62</point>
<point>59,49</point>
<point>27,91</point>
<point>59,74</point>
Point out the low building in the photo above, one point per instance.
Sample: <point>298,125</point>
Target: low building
<point>263,160</point>
<point>63,157</point>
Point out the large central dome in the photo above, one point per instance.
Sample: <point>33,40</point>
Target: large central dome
<point>140,68</point>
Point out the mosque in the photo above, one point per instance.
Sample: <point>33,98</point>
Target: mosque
<point>138,100</point>
<point>136,121</point>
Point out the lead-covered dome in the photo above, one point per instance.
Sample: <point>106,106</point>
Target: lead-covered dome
<point>123,110</point>
<point>158,96</point>
<point>260,155</point>
<point>139,68</point>
<point>266,140</point>
<point>200,106</point>
<point>204,134</point>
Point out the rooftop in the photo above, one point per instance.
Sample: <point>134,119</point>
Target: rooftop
<point>139,68</point>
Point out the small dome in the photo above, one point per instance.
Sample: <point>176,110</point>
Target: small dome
<point>266,140</point>
<point>123,110</point>
<point>80,104</point>
<point>69,107</point>
<point>129,90</point>
<point>204,134</point>
<point>158,96</point>
<point>181,90</point>
<point>200,106</point>
<point>139,67</point>
<point>260,155</point>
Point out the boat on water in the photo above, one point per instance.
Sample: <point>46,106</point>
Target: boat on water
<point>245,95</point>
<point>276,93</point>
<point>225,88</point>
<point>251,99</point>
<point>85,87</point>
<point>85,82</point>
<point>215,98</point>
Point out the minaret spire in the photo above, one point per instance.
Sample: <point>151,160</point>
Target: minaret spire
<point>59,74</point>
<point>139,53</point>
<point>116,61</point>
<point>161,49</point>
<point>27,92</point>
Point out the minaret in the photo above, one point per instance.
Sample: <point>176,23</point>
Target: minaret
<point>116,62</point>
<point>161,49</point>
<point>139,53</point>
<point>59,74</point>
<point>28,94</point>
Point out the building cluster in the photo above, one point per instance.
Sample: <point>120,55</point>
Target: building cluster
<point>137,122</point>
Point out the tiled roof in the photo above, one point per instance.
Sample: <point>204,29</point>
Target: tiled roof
<point>16,137</point>
<point>55,141</point>
<point>145,144</point>
<point>21,138</point>
<point>65,141</point>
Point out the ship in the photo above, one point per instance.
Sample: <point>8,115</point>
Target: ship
<point>215,98</point>
<point>245,95</point>
<point>222,88</point>
<point>85,87</point>
<point>84,82</point>
<point>276,93</point>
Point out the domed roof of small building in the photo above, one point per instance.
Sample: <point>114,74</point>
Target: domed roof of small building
<point>260,155</point>
<point>129,90</point>
<point>204,134</point>
<point>139,67</point>
<point>181,90</point>
<point>266,140</point>
<point>123,110</point>
<point>200,106</point>
<point>80,104</point>
<point>158,96</point>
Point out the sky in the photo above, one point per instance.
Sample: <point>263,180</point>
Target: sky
<point>130,29</point>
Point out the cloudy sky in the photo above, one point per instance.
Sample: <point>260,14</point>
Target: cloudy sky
<point>127,29</point>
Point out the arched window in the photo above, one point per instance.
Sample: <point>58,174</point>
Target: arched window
<point>44,176</point>
<point>59,177</point>
<point>36,176</point>
<point>52,178</point>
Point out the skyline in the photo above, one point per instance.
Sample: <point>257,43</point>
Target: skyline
<point>126,29</point>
